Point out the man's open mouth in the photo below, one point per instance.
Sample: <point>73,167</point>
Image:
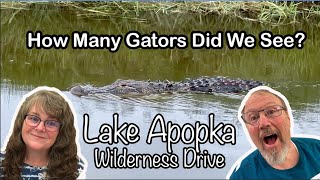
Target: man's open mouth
<point>270,139</point>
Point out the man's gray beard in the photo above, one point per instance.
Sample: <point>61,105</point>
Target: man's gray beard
<point>275,157</point>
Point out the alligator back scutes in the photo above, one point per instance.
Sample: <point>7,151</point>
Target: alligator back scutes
<point>199,85</point>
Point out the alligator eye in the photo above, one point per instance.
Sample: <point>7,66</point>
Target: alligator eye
<point>235,90</point>
<point>192,88</point>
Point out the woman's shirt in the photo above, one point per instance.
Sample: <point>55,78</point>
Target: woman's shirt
<point>29,172</point>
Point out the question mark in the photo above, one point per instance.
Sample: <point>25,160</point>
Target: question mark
<point>301,37</point>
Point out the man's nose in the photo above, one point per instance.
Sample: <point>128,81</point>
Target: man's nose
<point>263,121</point>
<point>41,126</point>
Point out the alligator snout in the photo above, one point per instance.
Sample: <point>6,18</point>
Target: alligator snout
<point>78,91</point>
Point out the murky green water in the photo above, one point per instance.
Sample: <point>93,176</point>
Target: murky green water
<point>294,72</point>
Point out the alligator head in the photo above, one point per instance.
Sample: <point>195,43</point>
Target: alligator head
<point>119,87</point>
<point>79,90</point>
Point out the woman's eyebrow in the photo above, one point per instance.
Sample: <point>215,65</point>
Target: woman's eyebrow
<point>34,113</point>
<point>37,114</point>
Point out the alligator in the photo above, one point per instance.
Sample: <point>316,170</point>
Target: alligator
<point>206,85</point>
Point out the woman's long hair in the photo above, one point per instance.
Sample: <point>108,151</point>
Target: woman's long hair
<point>63,158</point>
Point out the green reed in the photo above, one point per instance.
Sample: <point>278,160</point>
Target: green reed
<point>276,13</point>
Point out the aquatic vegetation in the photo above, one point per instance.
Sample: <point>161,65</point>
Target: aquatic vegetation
<point>276,13</point>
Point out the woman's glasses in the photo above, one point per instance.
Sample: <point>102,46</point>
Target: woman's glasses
<point>50,125</point>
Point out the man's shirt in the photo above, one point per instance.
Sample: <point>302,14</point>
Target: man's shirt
<point>254,166</point>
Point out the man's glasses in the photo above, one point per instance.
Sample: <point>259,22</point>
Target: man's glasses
<point>50,125</point>
<point>252,117</point>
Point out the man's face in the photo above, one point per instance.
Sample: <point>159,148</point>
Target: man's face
<point>270,135</point>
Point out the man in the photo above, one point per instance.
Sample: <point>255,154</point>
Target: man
<point>267,118</point>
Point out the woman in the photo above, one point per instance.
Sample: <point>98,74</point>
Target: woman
<point>42,143</point>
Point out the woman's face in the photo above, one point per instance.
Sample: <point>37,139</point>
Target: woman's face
<point>38,138</point>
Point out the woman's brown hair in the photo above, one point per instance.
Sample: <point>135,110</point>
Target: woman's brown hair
<point>63,159</point>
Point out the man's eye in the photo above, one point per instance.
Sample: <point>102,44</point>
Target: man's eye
<point>270,112</point>
<point>254,117</point>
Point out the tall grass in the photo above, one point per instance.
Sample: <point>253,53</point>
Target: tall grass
<point>62,68</point>
<point>276,13</point>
